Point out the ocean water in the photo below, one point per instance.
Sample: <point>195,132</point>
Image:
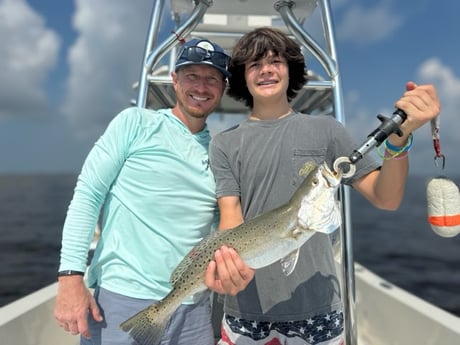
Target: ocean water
<point>399,246</point>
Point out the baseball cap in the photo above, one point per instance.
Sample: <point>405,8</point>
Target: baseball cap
<point>203,52</point>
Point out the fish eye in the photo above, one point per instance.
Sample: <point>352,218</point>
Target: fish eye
<point>315,181</point>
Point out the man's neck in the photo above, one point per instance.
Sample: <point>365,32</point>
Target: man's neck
<point>194,124</point>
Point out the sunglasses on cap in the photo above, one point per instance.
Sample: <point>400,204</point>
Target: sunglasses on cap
<point>198,54</point>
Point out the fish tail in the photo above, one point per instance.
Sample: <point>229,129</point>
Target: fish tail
<point>145,329</point>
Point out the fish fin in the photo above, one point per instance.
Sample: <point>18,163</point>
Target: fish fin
<point>143,329</point>
<point>289,262</point>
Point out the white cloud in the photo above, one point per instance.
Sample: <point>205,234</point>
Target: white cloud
<point>447,84</point>
<point>104,61</point>
<point>28,52</point>
<point>363,25</point>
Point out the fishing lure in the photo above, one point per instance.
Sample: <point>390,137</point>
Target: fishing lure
<point>438,156</point>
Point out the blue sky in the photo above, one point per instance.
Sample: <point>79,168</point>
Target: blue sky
<point>68,68</point>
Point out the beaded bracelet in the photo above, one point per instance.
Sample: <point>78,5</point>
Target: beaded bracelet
<point>405,148</point>
<point>394,155</point>
<point>394,152</point>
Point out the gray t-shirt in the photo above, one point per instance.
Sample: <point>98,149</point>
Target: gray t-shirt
<point>261,161</point>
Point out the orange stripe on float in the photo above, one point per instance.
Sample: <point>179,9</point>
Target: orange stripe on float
<point>444,220</point>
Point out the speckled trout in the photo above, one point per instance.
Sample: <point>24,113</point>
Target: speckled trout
<point>273,236</point>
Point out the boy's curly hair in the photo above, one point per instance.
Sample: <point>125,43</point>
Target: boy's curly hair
<point>257,44</point>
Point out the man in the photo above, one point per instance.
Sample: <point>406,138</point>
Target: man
<point>258,165</point>
<point>149,173</point>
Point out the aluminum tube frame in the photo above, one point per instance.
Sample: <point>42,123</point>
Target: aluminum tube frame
<point>153,55</point>
<point>330,64</point>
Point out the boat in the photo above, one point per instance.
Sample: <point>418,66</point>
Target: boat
<point>377,312</point>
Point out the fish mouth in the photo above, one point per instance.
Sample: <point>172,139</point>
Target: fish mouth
<point>332,177</point>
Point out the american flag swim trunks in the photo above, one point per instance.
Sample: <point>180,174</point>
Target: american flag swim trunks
<point>325,329</point>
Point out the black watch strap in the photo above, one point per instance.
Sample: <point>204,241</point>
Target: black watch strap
<point>70,273</point>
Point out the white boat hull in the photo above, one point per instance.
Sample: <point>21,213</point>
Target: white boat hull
<point>30,321</point>
<point>387,314</point>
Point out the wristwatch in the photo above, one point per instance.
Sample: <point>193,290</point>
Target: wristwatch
<point>70,273</point>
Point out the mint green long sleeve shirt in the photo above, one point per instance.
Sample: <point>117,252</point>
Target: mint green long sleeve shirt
<point>150,176</point>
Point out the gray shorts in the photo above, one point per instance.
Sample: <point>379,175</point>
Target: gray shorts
<point>190,324</point>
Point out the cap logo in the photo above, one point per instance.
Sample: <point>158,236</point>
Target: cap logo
<point>206,45</point>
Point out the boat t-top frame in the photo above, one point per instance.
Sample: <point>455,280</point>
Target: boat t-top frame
<point>226,21</point>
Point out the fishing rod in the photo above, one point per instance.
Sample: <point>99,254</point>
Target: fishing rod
<point>443,196</point>
<point>374,139</point>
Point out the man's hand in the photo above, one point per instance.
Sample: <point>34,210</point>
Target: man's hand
<point>227,273</point>
<point>73,303</point>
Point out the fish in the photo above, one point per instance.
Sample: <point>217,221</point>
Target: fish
<point>276,235</point>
